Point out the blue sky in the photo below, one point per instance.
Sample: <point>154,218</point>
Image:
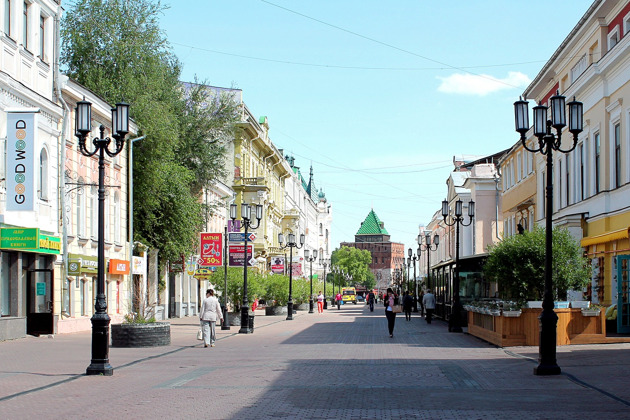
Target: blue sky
<point>378,96</point>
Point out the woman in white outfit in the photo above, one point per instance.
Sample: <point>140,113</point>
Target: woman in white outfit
<point>209,314</point>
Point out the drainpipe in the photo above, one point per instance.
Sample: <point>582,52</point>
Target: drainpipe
<point>497,176</point>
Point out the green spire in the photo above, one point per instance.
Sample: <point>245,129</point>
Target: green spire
<point>372,225</point>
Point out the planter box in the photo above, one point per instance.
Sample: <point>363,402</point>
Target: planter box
<point>301,307</point>
<point>275,310</point>
<point>141,335</point>
<point>512,314</point>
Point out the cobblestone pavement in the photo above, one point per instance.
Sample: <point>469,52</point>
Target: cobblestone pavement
<point>339,365</point>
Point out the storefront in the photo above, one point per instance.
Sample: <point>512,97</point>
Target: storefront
<point>27,281</point>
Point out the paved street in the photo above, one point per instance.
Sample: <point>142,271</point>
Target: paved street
<point>340,365</point>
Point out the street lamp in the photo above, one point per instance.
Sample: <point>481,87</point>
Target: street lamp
<point>290,244</point>
<point>246,213</point>
<point>457,219</point>
<point>99,364</point>
<point>310,259</point>
<point>326,263</point>
<point>547,143</point>
<point>427,247</point>
<point>413,259</point>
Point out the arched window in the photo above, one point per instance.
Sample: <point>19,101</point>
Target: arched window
<point>321,229</point>
<point>117,217</point>
<point>81,191</point>
<point>42,182</point>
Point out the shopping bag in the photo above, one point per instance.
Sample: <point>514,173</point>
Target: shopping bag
<point>200,334</point>
<point>397,309</point>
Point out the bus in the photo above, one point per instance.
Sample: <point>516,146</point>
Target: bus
<point>349,294</point>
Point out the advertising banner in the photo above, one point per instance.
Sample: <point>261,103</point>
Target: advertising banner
<point>236,254</point>
<point>211,246</point>
<point>29,240</point>
<point>20,164</point>
<point>297,269</point>
<point>277,265</point>
<point>118,266</point>
<point>139,266</point>
<point>234,225</point>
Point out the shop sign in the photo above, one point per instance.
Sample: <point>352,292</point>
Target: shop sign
<point>277,265</point>
<point>211,246</point>
<point>20,164</point>
<point>82,264</point>
<point>118,266</point>
<point>177,266</point>
<point>40,289</point>
<point>29,240</point>
<point>203,273</point>
<point>236,255</point>
<point>190,268</point>
<point>139,266</point>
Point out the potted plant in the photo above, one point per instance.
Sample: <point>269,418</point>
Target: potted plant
<point>512,309</point>
<point>593,310</point>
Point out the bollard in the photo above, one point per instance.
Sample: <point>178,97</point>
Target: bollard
<point>251,323</point>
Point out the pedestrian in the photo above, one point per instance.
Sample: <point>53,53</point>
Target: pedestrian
<point>371,299</point>
<point>338,299</point>
<point>421,304</point>
<point>320,303</point>
<point>407,305</point>
<point>389,301</point>
<point>208,316</point>
<point>255,304</point>
<point>429,304</point>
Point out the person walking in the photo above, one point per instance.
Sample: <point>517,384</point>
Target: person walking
<point>421,303</point>
<point>320,303</point>
<point>371,299</point>
<point>429,304</point>
<point>407,305</point>
<point>389,301</point>
<point>338,299</point>
<point>208,316</point>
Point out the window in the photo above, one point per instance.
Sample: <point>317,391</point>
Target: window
<point>25,26</point>
<point>7,17</point>
<point>567,170</point>
<point>321,229</point>
<point>82,292</point>
<point>597,146</point>
<point>117,217</point>
<point>580,157</point>
<point>613,37</point>
<point>65,296</point>
<point>617,134</point>
<point>81,209</point>
<point>42,182</point>
<point>626,24</point>
<point>94,214</point>
<point>42,38</point>
<point>519,174</point>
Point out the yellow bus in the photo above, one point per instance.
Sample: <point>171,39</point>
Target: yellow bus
<point>349,294</point>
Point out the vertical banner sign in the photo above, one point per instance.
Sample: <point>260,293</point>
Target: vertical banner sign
<point>236,254</point>
<point>277,265</point>
<point>20,162</point>
<point>211,246</point>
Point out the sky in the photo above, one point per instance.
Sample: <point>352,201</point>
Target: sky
<point>378,96</point>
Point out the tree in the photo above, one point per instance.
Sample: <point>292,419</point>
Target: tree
<point>117,49</point>
<point>355,262</point>
<point>517,264</point>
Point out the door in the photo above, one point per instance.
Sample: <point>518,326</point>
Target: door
<point>623,294</point>
<point>39,318</point>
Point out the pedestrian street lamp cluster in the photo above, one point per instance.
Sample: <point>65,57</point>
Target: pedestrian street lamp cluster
<point>310,259</point>
<point>326,263</point>
<point>457,219</point>
<point>99,364</point>
<point>428,247</point>
<point>547,143</point>
<point>291,244</point>
<point>412,260</point>
<point>248,223</point>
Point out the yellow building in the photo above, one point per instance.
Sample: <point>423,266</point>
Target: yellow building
<point>592,182</point>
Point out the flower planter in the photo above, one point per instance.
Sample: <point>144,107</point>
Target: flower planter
<point>512,314</point>
<point>275,310</point>
<point>301,307</point>
<point>495,312</point>
<point>591,312</point>
<point>141,335</point>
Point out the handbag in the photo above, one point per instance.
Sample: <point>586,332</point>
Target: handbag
<point>396,309</point>
<point>200,334</point>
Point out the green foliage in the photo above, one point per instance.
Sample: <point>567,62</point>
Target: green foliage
<point>517,264</point>
<point>356,262</point>
<point>256,284</point>
<point>137,318</point>
<point>117,49</point>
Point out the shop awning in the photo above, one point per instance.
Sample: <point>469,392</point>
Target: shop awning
<point>605,237</point>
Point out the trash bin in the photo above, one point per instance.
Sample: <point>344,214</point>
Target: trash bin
<point>251,321</point>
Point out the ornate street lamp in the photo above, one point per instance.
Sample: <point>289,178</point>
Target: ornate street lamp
<point>413,259</point>
<point>99,364</point>
<point>290,244</point>
<point>454,322</point>
<point>326,263</point>
<point>246,211</point>
<point>427,247</point>
<point>310,259</point>
<point>547,143</point>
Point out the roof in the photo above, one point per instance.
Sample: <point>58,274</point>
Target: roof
<point>372,225</point>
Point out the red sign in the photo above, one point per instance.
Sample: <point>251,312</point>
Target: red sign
<point>237,254</point>
<point>118,266</point>
<point>211,248</point>
<point>277,265</point>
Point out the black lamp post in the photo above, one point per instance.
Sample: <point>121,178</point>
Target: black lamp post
<point>454,322</point>
<point>290,244</point>
<point>427,247</point>
<point>325,262</point>
<point>99,364</point>
<point>310,259</point>
<point>547,143</point>
<point>413,259</point>
<point>246,213</point>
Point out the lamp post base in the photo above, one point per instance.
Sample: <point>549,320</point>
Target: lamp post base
<point>310,306</point>
<point>548,324</point>
<point>244,321</point>
<point>226,322</point>
<point>454,322</point>
<point>99,365</point>
<point>290,311</point>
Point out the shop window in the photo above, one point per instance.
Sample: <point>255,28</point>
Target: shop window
<point>7,17</point>
<point>5,285</point>
<point>83,296</point>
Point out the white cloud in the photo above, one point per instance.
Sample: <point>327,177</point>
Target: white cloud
<point>481,85</point>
